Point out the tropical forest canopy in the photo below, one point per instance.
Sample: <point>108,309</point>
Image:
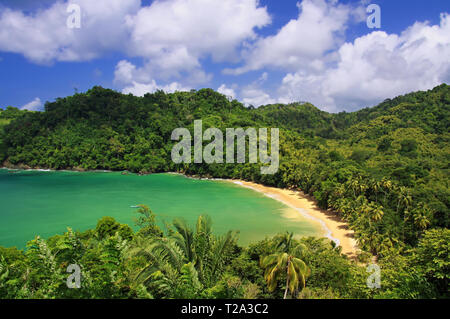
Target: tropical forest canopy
<point>384,170</point>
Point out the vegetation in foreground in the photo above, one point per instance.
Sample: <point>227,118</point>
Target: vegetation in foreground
<point>189,263</point>
<point>384,170</point>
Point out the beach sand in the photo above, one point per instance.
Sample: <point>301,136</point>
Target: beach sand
<point>334,228</point>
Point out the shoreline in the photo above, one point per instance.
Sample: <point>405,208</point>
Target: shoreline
<point>335,229</point>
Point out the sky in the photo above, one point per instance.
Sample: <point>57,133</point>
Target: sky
<point>258,52</point>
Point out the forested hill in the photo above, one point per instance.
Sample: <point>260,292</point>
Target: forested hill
<point>428,110</point>
<point>104,113</point>
<point>383,169</point>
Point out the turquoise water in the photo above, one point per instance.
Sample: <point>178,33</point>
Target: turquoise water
<point>46,203</point>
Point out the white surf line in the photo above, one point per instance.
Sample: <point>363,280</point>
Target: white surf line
<point>58,170</point>
<point>303,212</point>
<point>28,169</point>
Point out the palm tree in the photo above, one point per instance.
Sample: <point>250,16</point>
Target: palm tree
<point>376,186</point>
<point>295,269</point>
<point>284,242</point>
<point>184,237</point>
<point>404,198</point>
<point>202,242</point>
<point>164,262</point>
<point>354,185</point>
<point>369,241</point>
<point>336,198</point>
<point>387,185</point>
<point>167,257</point>
<point>422,216</point>
<point>219,251</point>
<point>286,261</point>
<point>4,271</point>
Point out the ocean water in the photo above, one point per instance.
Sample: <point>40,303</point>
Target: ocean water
<point>46,203</point>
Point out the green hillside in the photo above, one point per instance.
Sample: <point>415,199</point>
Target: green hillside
<point>384,170</point>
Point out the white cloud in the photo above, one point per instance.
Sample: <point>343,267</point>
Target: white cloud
<point>125,72</point>
<point>171,36</point>
<point>263,77</point>
<point>227,91</point>
<point>140,89</point>
<point>139,81</point>
<point>43,37</point>
<point>170,39</point>
<point>302,42</point>
<point>256,97</point>
<point>191,28</point>
<point>34,105</point>
<point>377,66</point>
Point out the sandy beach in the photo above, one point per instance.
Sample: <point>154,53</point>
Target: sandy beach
<point>334,228</point>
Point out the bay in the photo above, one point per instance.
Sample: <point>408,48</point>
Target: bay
<point>45,203</point>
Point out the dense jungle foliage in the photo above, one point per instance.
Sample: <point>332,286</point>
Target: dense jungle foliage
<point>192,262</point>
<point>384,170</point>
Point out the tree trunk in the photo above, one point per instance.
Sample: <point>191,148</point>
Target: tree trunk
<point>287,280</point>
<point>286,290</point>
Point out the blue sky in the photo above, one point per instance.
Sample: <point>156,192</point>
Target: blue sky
<point>259,52</point>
